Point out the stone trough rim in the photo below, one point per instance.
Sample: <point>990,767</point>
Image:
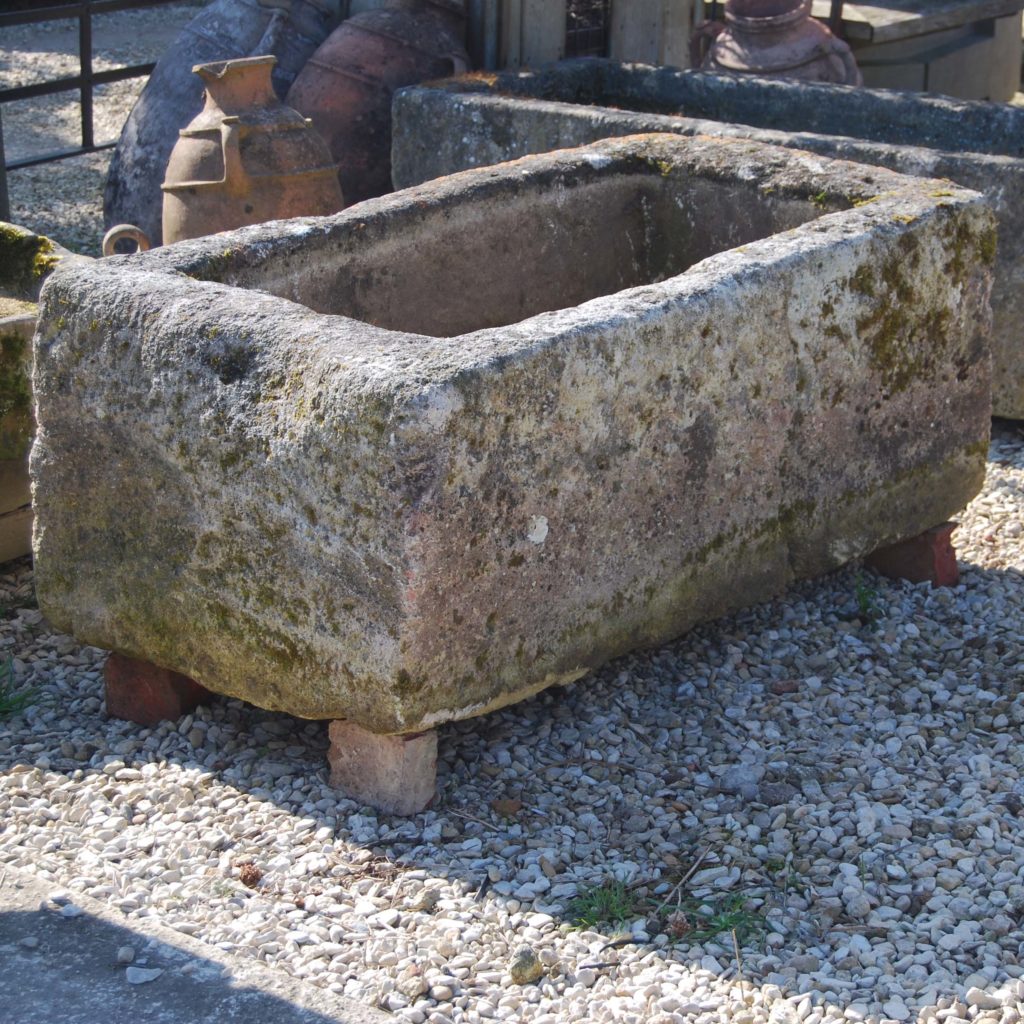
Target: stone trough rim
<point>182,259</point>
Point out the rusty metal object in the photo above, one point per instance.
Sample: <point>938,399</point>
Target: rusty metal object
<point>346,86</point>
<point>289,29</point>
<point>835,18</point>
<point>779,39</point>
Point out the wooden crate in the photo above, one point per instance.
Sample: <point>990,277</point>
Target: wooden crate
<point>518,33</point>
<point>965,48</point>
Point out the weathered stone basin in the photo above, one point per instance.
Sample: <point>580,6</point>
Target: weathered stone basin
<point>448,447</point>
<point>25,261</point>
<point>485,119</point>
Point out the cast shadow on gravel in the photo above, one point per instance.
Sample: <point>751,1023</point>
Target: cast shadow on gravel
<point>627,779</point>
<point>57,967</point>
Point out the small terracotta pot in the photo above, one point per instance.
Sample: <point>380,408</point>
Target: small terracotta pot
<point>779,39</point>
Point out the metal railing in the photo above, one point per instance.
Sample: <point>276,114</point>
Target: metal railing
<point>28,12</point>
<point>587,28</point>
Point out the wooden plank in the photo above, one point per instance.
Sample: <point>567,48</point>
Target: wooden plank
<point>675,47</point>
<point>957,62</point>
<point>15,533</point>
<point>543,31</point>
<point>491,33</point>
<point>652,31</point>
<point>484,33</point>
<point>889,20</point>
<point>511,49</point>
<point>637,30</point>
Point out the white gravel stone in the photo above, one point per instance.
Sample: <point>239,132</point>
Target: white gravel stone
<point>142,975</point>
<point>982,1000</point>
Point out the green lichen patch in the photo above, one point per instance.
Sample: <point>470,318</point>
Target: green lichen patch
<point>904,331</point>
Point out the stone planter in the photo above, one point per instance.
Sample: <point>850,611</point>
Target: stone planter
<point>25,261</point>
<point>428,456</point>
<point>485,119</point>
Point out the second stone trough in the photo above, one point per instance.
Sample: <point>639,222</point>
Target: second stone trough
<point>484,119</point>
<point>428,456</point>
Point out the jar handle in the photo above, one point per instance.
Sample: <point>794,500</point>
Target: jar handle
<point>851,72</point>
<point>276,25</point>
<point>121,231</point>
<point>236,178</point>
<point>703,38</point>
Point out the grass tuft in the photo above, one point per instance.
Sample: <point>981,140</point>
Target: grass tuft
<point>608,903</point>
<point>698,921</point>
<point>687,919</point>
<point>12,700</point>
<point>867,600</point>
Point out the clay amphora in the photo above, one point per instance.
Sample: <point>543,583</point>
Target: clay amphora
<point>289,29</point>
<point>347,85</point>
<point>779,39</point>
<point>244,159</point>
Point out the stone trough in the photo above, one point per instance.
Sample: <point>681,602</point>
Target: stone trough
<point>485,119</point>
<point>25,261</point>
<point>428,456</point>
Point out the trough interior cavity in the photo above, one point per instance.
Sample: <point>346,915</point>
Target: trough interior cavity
<point>492,259</point>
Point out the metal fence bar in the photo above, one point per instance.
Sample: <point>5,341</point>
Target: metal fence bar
<point>5,202</point>
<point>27,92</point>
<point>85,74</point>
<point>30,12</point>
<point>48,10</point>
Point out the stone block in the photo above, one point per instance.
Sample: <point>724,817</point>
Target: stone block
<point>486,119</point>
<point>25,261</point>
<point>140,692</point>
<point>448,447</point>
<point>928,557</point>
<point>395,774</point>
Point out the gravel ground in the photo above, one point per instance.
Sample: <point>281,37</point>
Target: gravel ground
<point>837,775</point>
<point>810,811</point>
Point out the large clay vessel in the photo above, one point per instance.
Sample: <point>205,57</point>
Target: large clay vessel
<point>780,39</point>
<point>289,29</point>
<point>347,85</point>
<point>245,158</point>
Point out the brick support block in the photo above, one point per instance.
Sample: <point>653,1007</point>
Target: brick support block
<point>395,774</point>
<point>138,691</point>
<point>928,556</point>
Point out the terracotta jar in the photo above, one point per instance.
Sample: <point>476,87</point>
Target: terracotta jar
<point>347,85</point>
<point>779,39</point>
<point>245,158</point>
<point>224,30</point>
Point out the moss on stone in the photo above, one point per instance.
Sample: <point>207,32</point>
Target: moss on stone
<point>863,280</point>
<point>987,246</point>
<point>25,260</point>
<point>16,421</point>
